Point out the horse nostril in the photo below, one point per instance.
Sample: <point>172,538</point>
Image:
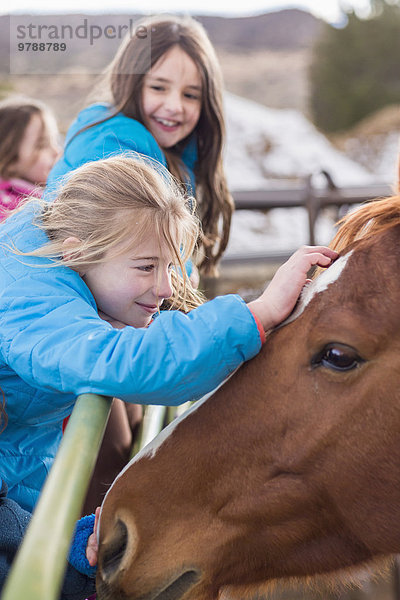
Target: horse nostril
<point>114,551</point>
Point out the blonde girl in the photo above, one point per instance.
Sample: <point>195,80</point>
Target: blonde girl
<point>92,220</point>
<point>109,209</point>
<point>163,93</point>
<point>113,242</point>
<point>28,150</point>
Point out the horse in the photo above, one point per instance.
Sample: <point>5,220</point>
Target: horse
<point>291,469</point>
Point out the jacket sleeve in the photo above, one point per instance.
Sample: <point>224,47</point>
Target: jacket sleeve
<point>52,337</point>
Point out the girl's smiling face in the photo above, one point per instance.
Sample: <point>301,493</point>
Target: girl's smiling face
<point>38,151</point>
<point>129,287</point>
<point>171,97</point>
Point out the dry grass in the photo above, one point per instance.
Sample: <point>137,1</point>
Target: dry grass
<point>278,79</point>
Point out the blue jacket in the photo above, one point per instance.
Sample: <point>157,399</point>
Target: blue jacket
<point>79,580</point>
<point>54,346</point>
<point>114,136</point>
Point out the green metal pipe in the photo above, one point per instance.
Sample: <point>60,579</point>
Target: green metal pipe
<point>39,567</point>
<point>151,425</point>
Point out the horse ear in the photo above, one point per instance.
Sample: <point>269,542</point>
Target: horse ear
<point>116,551</point>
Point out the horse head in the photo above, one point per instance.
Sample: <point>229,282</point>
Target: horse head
<point>292,467</point>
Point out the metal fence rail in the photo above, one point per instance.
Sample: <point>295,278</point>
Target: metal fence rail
<point>304,195</point>
<point>309,197</point>
<point>39,566</point>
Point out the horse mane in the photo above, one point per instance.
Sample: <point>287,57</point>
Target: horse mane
<point>368,220</point>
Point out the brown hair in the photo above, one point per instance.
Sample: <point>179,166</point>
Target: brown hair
<point>121,200</point>
<point>124,80</point>
<point>15,115</point>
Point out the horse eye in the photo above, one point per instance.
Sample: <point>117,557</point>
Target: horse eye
<point>338,357</point>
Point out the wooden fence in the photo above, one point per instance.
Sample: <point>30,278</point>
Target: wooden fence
<point>312,199</point>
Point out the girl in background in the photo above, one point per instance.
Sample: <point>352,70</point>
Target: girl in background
<point>163,93</point>
<point>28,150</point>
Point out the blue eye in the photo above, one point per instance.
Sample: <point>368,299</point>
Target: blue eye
<point>146,268</point>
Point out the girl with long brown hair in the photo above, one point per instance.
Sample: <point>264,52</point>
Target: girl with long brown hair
<point>163,94</point>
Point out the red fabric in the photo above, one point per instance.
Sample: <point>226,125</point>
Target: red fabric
<point>259,327</point>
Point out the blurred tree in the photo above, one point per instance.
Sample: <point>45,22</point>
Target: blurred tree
<point>355,69</point>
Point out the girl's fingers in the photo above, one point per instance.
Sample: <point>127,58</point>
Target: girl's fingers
<point>314,255</point>
<point>92,546</point>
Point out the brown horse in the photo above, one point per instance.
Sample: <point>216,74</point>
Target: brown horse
<point>292,468</point>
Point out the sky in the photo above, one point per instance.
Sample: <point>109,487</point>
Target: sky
<point>329,10</point>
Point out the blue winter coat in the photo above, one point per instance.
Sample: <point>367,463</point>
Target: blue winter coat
<point>114,136</point>
<point>54,346</point>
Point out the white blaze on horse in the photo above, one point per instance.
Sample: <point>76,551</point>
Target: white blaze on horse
<point>292,468</point>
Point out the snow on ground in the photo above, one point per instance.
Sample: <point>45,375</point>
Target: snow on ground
<point>387,160</point>
<point>269,148</point>
<point>379,151</point>
<point>279,230</point>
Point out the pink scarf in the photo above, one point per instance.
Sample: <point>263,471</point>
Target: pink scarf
<point>13,192</point>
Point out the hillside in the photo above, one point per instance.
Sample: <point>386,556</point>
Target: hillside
<point>277,45</point>
<point>291,29</point>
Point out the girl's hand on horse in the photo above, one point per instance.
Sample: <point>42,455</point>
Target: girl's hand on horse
<point>278,300</point>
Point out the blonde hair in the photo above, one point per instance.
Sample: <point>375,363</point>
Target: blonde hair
<point>123,85</point>
<point>16,113</point>
<point>119,201</point>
